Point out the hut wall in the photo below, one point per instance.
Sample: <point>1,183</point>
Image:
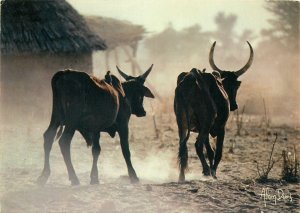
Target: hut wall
<point>26,94</point>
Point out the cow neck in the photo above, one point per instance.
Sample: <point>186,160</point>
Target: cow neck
<point>127,89</point>
<point>206,79</point>
<point>215,87</point>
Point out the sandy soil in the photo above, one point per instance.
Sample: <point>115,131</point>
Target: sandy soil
<point>154,159</point>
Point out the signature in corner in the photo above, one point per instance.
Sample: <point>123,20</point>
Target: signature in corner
<point>277,195</point>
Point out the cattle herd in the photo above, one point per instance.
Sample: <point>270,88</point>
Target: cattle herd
<point>84,103</point>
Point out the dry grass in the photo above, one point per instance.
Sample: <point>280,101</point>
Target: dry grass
<point>263,172</point>
<point>290,166</point>
<point>239,120</point>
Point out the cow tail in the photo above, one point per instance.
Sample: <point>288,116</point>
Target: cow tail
<point>183,151</point>
<point>59,132</point>
<point>57,110</point>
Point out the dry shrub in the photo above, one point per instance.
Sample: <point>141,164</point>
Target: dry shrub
<point>264,172</point>
<point>290,167</point>
<point>166,106</point>
<point>239,120</point>
<point>232,146</point>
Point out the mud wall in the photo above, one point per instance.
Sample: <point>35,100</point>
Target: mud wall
<point>26,94</point>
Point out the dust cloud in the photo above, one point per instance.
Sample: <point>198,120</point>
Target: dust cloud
<point>269,87</point>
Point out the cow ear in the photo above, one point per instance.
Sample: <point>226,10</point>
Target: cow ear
<point>148,93</point>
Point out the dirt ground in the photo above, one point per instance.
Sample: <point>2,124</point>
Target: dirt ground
<point>154,157</point>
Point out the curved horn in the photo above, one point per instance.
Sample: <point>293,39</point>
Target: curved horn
<point>144,76</point>
<point>246,67</point>
<point>211,59</point>
<point>125,76</point>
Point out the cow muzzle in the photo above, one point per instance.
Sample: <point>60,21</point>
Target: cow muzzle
<point>233,107</point>
<point>139,111</point>
<point>140,114</point>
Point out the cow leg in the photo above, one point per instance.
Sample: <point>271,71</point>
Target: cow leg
<point>123,133</point>
<point>210,152</point>
<point>96,149</point>
<point>199,149</point>
<point>219,150</point>
<point>182,154</point>
<point>183,133</point>
<point>65,143</point>
<point>48,141</point>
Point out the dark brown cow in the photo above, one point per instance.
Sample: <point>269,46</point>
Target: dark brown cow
<point>202,104</point>
<point>84,103</point>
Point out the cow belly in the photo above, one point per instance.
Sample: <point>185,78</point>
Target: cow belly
<point>193,124</point>
<point>96,123</point>
<point>202,122</point>
<point>101,116</point>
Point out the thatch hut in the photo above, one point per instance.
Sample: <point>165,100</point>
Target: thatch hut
<point>120,36</point>
<point>39,38</point>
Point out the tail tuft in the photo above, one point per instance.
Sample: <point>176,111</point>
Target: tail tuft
<point>59,133</point>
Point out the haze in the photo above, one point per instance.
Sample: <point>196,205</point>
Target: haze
<point>156,15</point>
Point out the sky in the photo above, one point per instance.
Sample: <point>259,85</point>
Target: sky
<point>155,15</point>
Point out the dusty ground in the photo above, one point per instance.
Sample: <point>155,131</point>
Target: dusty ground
<point>155,162</point>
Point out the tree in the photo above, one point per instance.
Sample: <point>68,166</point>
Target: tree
<point>233,48</point>
<point>187,45</point>
<point>285,24</point>
<point>278,54</point>
<point>225,25</point>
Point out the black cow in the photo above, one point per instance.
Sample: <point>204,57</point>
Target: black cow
<point>202,104</point>
<point>84,103</point>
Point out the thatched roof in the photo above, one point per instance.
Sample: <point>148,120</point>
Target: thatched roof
<point>50,26</point>
<point>115,32</point>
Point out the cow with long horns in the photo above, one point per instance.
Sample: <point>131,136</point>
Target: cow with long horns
<point>202,104</point>
<point>84,103</point>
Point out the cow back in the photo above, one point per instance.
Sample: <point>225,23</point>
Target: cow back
<point>205,97</point>
<point>85,101</point>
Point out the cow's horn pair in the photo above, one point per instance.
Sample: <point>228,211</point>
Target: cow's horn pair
<point>142,77</point>
<point>237,73</point>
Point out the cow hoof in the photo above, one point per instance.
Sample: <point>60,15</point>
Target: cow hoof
<point>206,172</point>
<point>213,173</point>
<point>42,180</point>
<point>75,182</point>
<point>134,180</point>
<point>94,181</point>
<point>181,180</point>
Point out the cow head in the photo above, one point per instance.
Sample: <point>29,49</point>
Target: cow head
<point>136,91</point>
<point>229,78</point>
